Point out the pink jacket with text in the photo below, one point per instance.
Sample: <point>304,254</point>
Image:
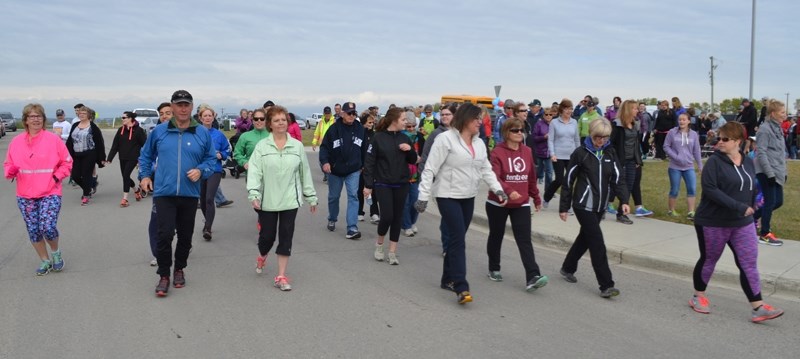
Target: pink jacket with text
<point>38,163</point>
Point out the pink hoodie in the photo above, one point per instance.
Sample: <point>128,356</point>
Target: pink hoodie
<point>35,161</point>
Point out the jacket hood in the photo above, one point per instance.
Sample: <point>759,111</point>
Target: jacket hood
<point>587,142</point>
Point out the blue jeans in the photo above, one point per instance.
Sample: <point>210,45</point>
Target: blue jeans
<point>410,214</point>
<point>544,169</point>
<point>773,199</point>
<point>456,216</point>
<point>675,182</point>
<point>219,197</point>
<point>335,183</point>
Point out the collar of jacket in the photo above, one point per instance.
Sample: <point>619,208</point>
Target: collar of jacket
<point>174,126</point>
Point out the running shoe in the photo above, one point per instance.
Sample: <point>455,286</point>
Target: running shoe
<point>207,234</point>
<point>282,283</point>
<point>179,281</point>
<point>361,218</point>
<point>536,282</point>
<point>44,267</point>
<point>699,304</point>
<point>379,255</point>
<point>765,312</point>
<point>374,219</point>
<point>391,257</point>
<point>163,287</point>
<point>353,234</point>
<point>610,209</point>
<point>642,212</point>
<point>153,262</point>
<point>464,297</point>
<point>408,232</point>
<point>58,262</point>
<point>123,203</point>
<point>415,229</point>
<point>261,262</point>
<point>84,201</point>
<point>609,292</point>
<point>690,216</point>
<point>331,226</point>
<point>569,277</point>
<point>495,276</point>
<point>621,218</point>
<point>227,202</point>
<point>675,214</point>
<point>770,239</point>
<point>545,204</point>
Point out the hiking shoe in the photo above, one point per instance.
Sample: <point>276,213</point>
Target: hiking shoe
<point>374,219</point>
<point>361,218</point>
<point>123,203</point>
<point>58,262</point>
<point>207,234</point>
<point>675,214</point>
<point>408,232</point>
<point>44,268</point>
<point>227,202</point>
<point>261,261</point>
<point>765,312</point>
<point>609,292</point>
<point>163,287</point>
<point>84,200</point>
<point>464,297</point>
<point>282,283</point>
<point>610,209</point>
<point>353,235</point>
<point>569,277</point>
<point>379,256</point>
<point>392,259</point>
<point>690,216</point>
<point>179,281</point>
<point>495,276</point>
<point>448,286</point>
<point>153,262</point>
<point>331,226</point>
<point>642,212</point>
<point>536,282</point>
<point>699,304</point>
<point>770,239</point>
<point>621,218</point>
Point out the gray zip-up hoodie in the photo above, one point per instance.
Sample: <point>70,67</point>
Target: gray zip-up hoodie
<point>771,151</point>
<point>683,149</point>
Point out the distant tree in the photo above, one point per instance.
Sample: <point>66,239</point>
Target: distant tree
<point>797,105</point>
<point>649,101</point>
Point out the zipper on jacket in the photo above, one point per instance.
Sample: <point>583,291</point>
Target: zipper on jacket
<point>600,204</point>
<point>178,177</point>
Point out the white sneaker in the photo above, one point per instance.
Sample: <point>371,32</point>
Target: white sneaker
<point>415,229</point>
<point>392,259</point>
<point>374,219</point>
<point>408,232</point>
<point>545,204</point>
<point>153,262</point>
<point>360,218</point>
<point>379,256</point>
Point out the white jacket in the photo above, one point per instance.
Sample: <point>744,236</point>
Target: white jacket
<point>451,171</point>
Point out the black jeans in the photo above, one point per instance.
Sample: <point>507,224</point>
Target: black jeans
<point>208,189</point>
<point>560,169</point>
<point>272,223</point>
<point>633,180</point>
<point>521,226</point>
<point>456,216</point>
<point>660,137</point>
<point>392,200</point>
<point>590,238</point>
<point>82,168</point>
<point>175,214</point>
<point>126,167</point>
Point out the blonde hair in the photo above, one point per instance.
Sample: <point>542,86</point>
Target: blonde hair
<point>773,106</point>
<point>626,116</point>
<point>203,108</point>
<point>599,127</point>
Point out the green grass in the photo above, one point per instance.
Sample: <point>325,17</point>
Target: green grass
<point>655,191</point>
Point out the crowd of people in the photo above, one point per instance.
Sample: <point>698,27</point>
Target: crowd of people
<point>397,163</point>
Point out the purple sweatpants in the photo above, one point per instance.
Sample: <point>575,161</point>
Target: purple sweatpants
<point>743,241</point>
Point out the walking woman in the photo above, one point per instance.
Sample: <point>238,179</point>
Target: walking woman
<point>563,137</point>
<point>682,145</point>
<point>771,168</point>
<point>512,164</point>
<point>128,142</point>
<point>625,140</point>
<point>39,162</point>
<point>453,170</point>
<point>209,186</point>
<point>278,181</point>
<point>593,170</point>
<point>386,173</point>
<point>544,166</point>
<point>248,140</point>
<point>368,121</point>
<point>86,146</point>
<point>725,217</point>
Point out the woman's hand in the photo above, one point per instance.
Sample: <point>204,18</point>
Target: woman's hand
<point>626,209</point>
<point>514,196</point>
<point>749,211</point>
<point>367,192</point>
<point>313,209</point>
<point>563,216</point>
<point>554,158</point>
<point>256,204</point>
<point>404,147</point>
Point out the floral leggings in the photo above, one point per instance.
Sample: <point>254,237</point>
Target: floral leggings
<point>40,216</point>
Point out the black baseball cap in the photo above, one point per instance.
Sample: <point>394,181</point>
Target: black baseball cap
<point>269,103</point>
<point>182,96</point>
<point>327,109</point>
<point>348,107</point>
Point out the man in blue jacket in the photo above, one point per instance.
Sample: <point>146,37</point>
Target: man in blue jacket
<point>341,156</point>
<point>183,154</point>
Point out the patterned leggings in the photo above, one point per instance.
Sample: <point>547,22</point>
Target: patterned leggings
<point>40,216</point>
<point>744,244</point>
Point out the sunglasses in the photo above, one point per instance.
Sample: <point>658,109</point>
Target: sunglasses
<point>515,130</point>
<point>259,118</point>
<point>351,113</point>
<point>125,118</point>
<point>724,139</point>
<point>548,114</point>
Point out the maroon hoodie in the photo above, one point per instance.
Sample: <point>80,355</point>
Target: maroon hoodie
<point>516,171</point>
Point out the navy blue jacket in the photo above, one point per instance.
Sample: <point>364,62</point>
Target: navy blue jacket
<point>343,147</point>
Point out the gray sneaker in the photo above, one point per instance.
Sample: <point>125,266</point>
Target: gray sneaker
<point>569,277</point>
<point>765,312</point>
<point>379,252</point>
<point>609,292</point>
<point>536,283</point>
<point>331,226</point>
<point>495,276</point>
<point>699,304</point>
<point>391,257</point>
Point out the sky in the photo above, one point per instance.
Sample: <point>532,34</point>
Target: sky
<point>118,55</point>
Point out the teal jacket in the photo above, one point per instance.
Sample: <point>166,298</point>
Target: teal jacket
<point>247,143</point>
<point>280,179</point>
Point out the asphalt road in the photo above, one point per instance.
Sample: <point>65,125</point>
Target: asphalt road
<point>344,303</point>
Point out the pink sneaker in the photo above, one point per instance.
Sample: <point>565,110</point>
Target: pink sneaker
<point>260,263</point>
<point>84,201</point>
<point>282,283</point>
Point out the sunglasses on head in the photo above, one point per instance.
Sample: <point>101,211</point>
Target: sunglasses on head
<point>259,118</point>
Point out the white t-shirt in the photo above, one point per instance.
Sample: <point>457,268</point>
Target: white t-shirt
<point>64,128</point>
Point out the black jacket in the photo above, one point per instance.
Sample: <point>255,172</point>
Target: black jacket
<point>128,143</point>
<point>618,142</point>
<point>665,120</point>
<point>386,163</point>
<point>342,148</point>
<point>749,119</point>
<point>590,176</point>
<point>97,137</point>
<point>727,192</point>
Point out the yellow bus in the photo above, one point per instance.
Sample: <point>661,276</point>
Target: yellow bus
<point>476,100</point>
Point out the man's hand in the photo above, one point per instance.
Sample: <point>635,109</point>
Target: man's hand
<point>326,168</point>
<point>193,174</point>
<point>421,206</point>
<point>146,184</point>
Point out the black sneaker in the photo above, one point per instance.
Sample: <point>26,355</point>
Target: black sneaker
<point>179,281</point>
<point>225,203</point>
<point>624,219</point>
<point>331,226</point>
<point>353,235</point>
<point>163,287</point>
<point>207,234</point>
<point>569,277</point>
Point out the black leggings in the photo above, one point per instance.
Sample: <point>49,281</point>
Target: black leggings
<point>208,189</point>
<point>126,167</point>
<point>560,169</point>
<point>590,238</point>
<point>272,223</point>
<point>521,226</point>
<point>82,168</point>
<point>391,201</point>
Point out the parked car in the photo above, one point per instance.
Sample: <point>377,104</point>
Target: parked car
<point>8,121</point>
<point>302,123</point>
<point>148,124</point>
<point>2,129</point>
<point>147,118</point>
<point>313,120</point>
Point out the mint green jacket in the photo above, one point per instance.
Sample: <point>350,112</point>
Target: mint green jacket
<point>280,179</point>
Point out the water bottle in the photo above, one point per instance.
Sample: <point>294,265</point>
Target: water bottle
<point>369,200</point>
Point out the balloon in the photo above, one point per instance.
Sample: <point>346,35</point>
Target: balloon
<point>495,101</point>
<point>501,103</point>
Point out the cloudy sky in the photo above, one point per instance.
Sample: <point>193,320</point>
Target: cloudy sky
<point>117,55</point>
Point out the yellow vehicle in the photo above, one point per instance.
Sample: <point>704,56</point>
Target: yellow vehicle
<point>484,101</point>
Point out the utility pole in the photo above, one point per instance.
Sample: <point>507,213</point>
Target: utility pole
<point>787,102</point>
<point>752,49</point>
<point>711,74</point>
